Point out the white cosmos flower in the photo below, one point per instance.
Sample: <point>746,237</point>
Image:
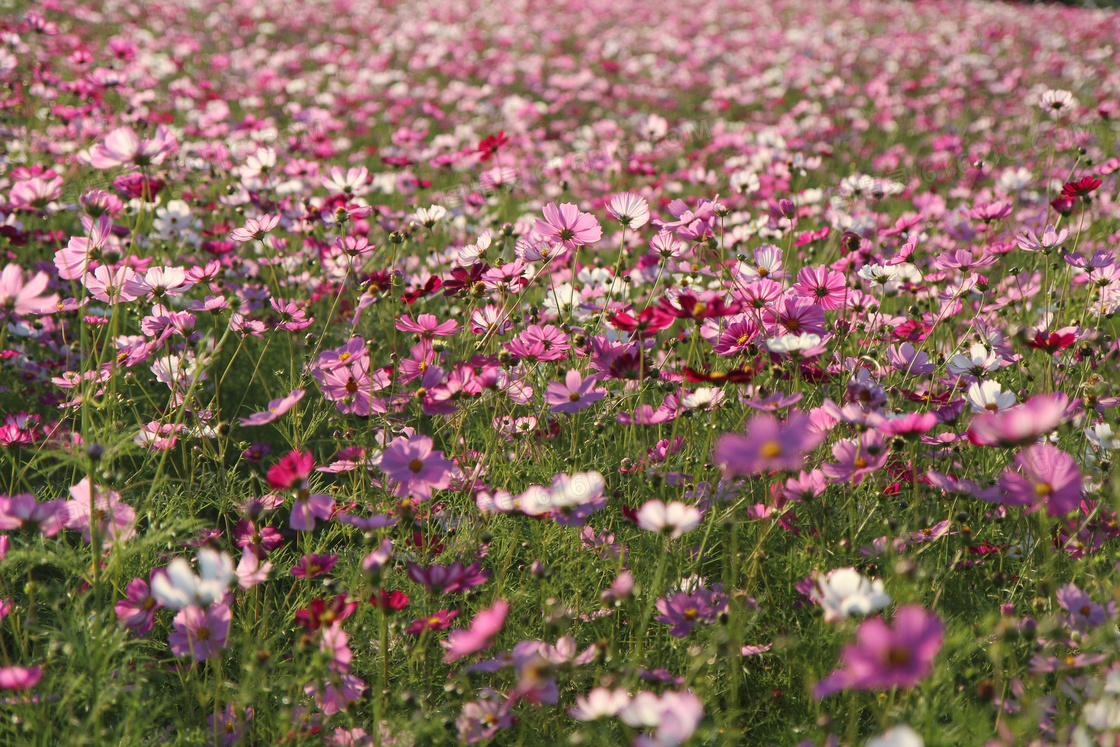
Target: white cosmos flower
<point>179,587</point>
<point>793,343</point>
<point>430,216</point>
<point>978,362</point>
<point>1102,437</point>
<point>567,491</point>
<point>1057,103</point>
<point>629,209</point>
<point>702,398</point>
<point>900,736</point>
<point>673,518</point>
<point>844,592</point>
<point>988,396</point>
<point>599,703</point>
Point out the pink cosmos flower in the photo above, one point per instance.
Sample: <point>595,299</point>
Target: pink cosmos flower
<point>24,511</point>
<point>339,691</point>
<point>291,317</point>
<point>111,286</point>
<point>1084,613</point>
<point>794,315</point>
<point>485,718</point>
<point>885,656</point>
<point>276,408</point>
<point>768,445</point>
<point>123,146</point>
<point>200,633</point>
<point>574,394</point>
<point>19,678</point>
<point>856,458</point>
<point>259,540</point>
<point>77,258</point>
<point>35,194</point>
<point>412,463</point>
<point>909,360</point>
<point>336,643</point>
<point>483,628</point>
<point>427,325</point>
<point>116,520</point>
<point>804,487</point>
<point>822,285</point>
<point>291,471</point>
<point>683,610</point>
<point>449,579</point>
<point>230,725</point>
<point>910,426</point>
<point>159,282</point>
<point>537,343</point>
<point>376,560</point>
<point>21,298</point>
<point>351,386</point>
<point>438,621</point>
<point>566,225</point>
<point>1019,425</point>
<point>249,570</point>
<point>308,507</point>
<point>254,228</point>
<point>1046,475</point>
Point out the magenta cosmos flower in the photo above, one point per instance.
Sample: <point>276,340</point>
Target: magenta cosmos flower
<point>200,633</point>
<point>1046,475</point>
<point>567,226</point>
<point>449,579</point>
<point>137,611</point>
<point>768,445</point>
<point>418,469</point>
<point>574,394</point>
<point>19,678</point>
<point>887,656</point>
<point>311,566</point>
<point>291,472</point>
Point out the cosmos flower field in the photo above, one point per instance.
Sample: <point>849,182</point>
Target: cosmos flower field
<point>636,373</point>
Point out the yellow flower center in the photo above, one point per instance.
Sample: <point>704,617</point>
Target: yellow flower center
<point>771,449</point>
<point>898,656</point>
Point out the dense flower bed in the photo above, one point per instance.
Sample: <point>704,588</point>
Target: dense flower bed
<point>587,372</point>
